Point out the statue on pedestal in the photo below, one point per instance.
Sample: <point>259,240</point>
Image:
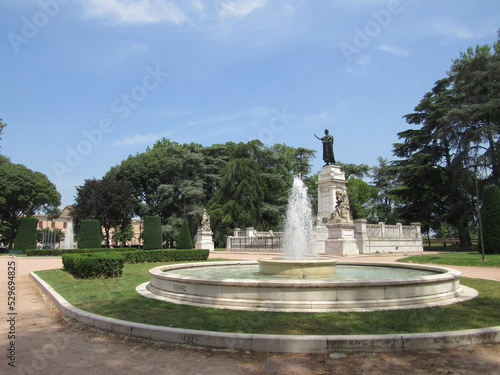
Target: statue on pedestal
<point>342,213</point>
<point>205,222</point>
<point>327,140</point>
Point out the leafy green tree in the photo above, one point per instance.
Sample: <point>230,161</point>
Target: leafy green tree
<point>22,193</point>
<point>124,234</point>
<point>90,235</point>
<point>184,241</point>
<point>385,179</point>
<point>362,199</point>
<point>152,236</point>
<point>177,182</point>
<point>490,215</point>
<point>106,200</point>
<point>476,113</point>
<point>355,170</point>
<point>2,125</point>
<point>26,235</point>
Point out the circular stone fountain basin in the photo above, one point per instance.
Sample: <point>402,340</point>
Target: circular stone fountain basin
<point>195,284</point>
<point>300,268</point>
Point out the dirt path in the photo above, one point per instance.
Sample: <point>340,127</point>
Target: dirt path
<point>47,343</point>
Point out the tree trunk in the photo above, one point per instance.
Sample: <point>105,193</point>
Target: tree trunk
<point>464,237</point>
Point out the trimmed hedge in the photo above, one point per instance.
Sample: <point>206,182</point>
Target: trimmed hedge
<point>102,264</point>
<point>26,234</point>
<point>90,236</point>
<point>89,266</point>
<point>152,235</point>
<point>187,255</point>
<point>184,240</point>
<point>490,215</point>
<point>59,252</point>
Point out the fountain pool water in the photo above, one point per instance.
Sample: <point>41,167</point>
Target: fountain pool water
<point>301,282</point>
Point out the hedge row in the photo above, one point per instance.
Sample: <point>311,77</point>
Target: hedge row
<point>102,264</point>
<point>88,266</point>
<point>59,252</point>
<point>166,255</point>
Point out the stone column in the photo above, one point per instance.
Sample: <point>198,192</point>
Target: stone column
<point>361,236</point>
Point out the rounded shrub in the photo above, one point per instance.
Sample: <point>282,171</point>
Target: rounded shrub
<point>90,234</point>
<point>184,240</point>
<point>26,234</point>
<point>152,235</point>
<point>490,217</point>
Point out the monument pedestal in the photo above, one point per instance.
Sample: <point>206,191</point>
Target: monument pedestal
<point>204,241</point>
<point>331,181</point>
<point>341,240</point>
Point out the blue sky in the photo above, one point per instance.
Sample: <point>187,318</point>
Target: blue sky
<point>87,83</point>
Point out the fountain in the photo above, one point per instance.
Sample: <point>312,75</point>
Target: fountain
<point>298,241</point>
<point>301,281</point>
<point>69,236</point>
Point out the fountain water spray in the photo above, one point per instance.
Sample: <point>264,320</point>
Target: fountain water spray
<point>299,236</point>
<point>68,238</point>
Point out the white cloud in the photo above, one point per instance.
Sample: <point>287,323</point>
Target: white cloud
<point>359,65</point>
<point>400,52</point>
<point>237,8</point>
<point>450,29</point>
<point>126,50</point>
<point>136,11</point>
<point>140,139</point>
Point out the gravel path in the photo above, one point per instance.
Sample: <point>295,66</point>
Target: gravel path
<point>47,343</point>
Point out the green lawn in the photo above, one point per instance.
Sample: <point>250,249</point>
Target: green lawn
<point>118,299</point>
<point>457,259</point>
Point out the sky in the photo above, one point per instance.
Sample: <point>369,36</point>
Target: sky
<point>86,83</point>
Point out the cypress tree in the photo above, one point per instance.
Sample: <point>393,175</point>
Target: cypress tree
<point>90,234</point>
<point>490,216</point>
<point>26,235</point>
<point>184,240</point>
<point>152,236</point>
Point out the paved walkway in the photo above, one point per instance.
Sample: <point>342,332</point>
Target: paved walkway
<point>47,343</point>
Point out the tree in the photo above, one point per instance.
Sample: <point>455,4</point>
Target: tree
<point>184,241</point>
<point>490,215</point>
<point>90,236</point>
<point>106,200</point>
<point>362,198</point>
<point>123,234</point>
<point>152,236</point>
<point>476,117</point>
<point>460,127</point>
<point>26,235</point>
<point>176,182</point>
<point>22,193</point>
<point>2,125</point>
<point>385,180</point>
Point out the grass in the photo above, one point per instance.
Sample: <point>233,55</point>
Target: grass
<point>457,259</point>
<point>118,299</point>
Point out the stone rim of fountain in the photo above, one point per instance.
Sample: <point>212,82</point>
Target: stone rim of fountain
<point>311,295</point>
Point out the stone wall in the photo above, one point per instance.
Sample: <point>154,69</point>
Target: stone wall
<point>382,238</point>
<point>250,239</point>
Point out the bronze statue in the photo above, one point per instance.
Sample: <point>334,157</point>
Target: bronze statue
<point>327,140</point>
